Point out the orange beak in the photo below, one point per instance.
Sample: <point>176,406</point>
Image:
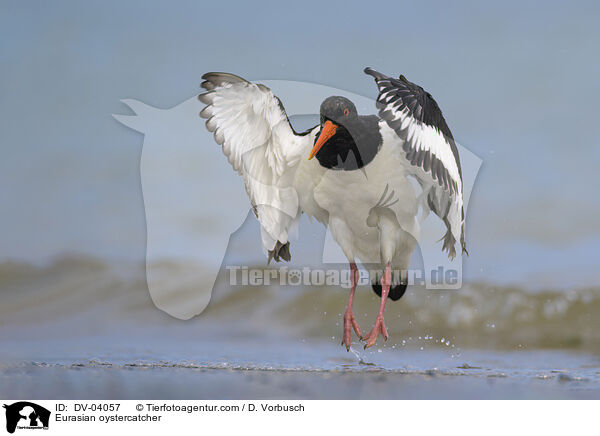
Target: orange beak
<point>327,132</point>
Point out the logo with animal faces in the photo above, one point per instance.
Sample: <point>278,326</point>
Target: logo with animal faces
<point>25,415</point>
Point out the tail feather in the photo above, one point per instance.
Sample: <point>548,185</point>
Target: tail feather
<point>449,242</point>
<point>396,291</point>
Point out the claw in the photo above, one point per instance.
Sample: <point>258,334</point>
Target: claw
<point>349,325</point>
<point>378,328</point>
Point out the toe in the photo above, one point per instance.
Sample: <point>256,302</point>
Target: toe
<point>371,339</point>
<point>347,342</point>
<point>356,328</point>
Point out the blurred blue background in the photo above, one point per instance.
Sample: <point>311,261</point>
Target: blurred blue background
<point>517,81</point>
<point>518,84</point>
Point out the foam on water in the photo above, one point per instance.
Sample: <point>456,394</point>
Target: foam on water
<point>87,296</point>
<point>80,328</point>
<point>152,364</point>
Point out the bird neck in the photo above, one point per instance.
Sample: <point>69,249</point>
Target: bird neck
<point>354,145</point>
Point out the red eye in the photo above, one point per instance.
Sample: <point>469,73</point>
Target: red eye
<point>346,112</point>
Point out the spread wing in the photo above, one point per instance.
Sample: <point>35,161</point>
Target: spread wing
<point>428,145</point>
<point>249,121</point>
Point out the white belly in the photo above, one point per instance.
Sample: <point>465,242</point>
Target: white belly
<point>350,202</point>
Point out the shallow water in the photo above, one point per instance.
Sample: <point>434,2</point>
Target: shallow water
<point>80,329</point>
<point>154,366</point>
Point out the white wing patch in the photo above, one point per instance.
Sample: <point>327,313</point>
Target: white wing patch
<point>421,139</point>
<point>428,145</point>
<point>249,122</point>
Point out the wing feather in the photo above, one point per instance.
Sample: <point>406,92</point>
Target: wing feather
<point>251,125</point>
<point>429,146</point>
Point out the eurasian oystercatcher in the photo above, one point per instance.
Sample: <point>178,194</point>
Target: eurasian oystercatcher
<point>357,185</point>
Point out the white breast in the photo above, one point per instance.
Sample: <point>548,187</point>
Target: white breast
<point>350,202</point>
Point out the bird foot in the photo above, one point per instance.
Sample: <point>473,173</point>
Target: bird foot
<point>378,328</point>
<point>349,324</point>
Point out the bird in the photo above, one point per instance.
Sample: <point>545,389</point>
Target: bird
<point>350,172</point>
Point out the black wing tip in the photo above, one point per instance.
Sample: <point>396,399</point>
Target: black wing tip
<point>215,79</point>
<point>379,76</point>
<point>463,244</point>
<point>449,245</point>
<point>205,97</point>
<point>376,74</point>
<point>370,71</point>
<point>280,252</point>
<point>206,76</point>
<point>220,74</point>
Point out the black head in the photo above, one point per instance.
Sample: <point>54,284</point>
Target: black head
<point>345,141</point>
<point>338,109</point>
<point>338,114</point>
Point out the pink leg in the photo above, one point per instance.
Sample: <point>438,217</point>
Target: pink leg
<point>349,320</point>
<point>379,326</point>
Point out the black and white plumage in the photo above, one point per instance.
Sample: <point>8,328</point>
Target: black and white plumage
<point>430,148</point>
<point>357,185</point>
